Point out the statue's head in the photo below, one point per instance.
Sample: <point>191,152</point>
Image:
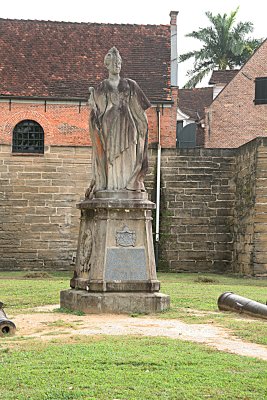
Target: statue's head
<point>113,60</point>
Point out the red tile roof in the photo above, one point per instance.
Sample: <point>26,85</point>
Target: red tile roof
<point>61,59</point>
<point>222,76</point>
<point>193,101</point>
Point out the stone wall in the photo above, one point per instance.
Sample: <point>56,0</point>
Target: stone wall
<point>260,210</point>
<point>213,207</point>
<point>198,193</point>
<point>244,210</point>
<point>250,227</point>
<point>38,218</point>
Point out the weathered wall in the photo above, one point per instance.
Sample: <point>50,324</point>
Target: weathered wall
<point>260,210</point>
<point>250,222</point>
<point>66,123</point>
<point>38,219</point>
<point>232,118</point>
<point>213,207</point>
<point>198,193</point>
<point>39,222</point>
<point>244,210</point>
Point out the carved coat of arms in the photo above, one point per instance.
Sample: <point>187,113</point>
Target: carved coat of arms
<point>125,237</point>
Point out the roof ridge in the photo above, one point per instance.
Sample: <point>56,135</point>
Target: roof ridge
<point>78,23</point>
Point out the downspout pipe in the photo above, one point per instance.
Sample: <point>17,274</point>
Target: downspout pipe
<point>174,82</point>
<point>157,237</point>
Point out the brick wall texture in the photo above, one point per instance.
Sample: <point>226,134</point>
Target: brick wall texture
<point>198,195</point>
<point>250,237</point>
<point>66,124</point>
<point>232,118</point>
<point>260,210</point>
<point>39,221</point>
<point>213,207</point>
<point>245,183</point>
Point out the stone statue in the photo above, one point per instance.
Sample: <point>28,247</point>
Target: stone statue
<point>115,270</point>
<point>119,129</point>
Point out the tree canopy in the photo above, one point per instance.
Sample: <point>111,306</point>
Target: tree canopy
<point>225,46</point>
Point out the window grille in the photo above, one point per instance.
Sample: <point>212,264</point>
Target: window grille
<point>28,137</point>
<point>261,90</point>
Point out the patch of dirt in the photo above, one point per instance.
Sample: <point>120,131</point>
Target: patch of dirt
<point>199,313</point>
<point>37,275</point>
<point>45,324</point>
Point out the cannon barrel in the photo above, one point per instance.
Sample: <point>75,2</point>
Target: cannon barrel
<point>6,326</point>
<point>229,301</point>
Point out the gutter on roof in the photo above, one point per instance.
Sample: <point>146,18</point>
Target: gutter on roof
<point>12,97</point>
<point>77,99</point>
<point>161,102</point>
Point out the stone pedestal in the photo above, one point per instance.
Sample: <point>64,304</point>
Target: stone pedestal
<point>115,267</point>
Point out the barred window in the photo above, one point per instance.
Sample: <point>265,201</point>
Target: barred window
<point>28,137</point>
<point>261,90</point>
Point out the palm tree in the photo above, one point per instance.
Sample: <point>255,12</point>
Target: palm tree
<point>224,46</point>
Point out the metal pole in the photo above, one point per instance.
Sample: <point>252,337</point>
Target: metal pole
<point>158,179</point>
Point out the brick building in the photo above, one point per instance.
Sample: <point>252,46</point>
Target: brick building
<point>239,112</point>
<point>47,67</point>
<point>213,201</point>
<point>45,71</point>
<point>220,78</point>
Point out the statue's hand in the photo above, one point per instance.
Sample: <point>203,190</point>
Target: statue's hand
<point>91,100</point>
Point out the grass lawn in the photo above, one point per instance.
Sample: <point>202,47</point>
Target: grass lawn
<point>190,294</point>
<point>200,292</point>
<point>122,368</point>
<point>126,368</point>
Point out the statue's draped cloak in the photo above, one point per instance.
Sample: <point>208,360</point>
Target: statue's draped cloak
<point>119,129</point>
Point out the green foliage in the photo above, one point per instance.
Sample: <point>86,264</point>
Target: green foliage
<point>127,368</point>
<point>225,45</point>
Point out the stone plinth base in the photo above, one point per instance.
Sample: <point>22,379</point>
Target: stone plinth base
<point>114,302</point>
<point>115,269</point>
<point>115,247</point>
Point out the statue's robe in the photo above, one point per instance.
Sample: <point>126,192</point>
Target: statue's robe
<point>119,130</point>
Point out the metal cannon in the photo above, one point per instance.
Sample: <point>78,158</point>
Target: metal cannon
<point>7,327</point>
<point>230,301</point>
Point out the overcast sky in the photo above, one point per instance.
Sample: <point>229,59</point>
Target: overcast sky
<point>191,15</point>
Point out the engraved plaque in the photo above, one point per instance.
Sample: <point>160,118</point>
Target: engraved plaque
<point>125,264</point>
<point>125,237</point>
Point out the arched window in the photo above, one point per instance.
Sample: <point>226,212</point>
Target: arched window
<point>28,137</point>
